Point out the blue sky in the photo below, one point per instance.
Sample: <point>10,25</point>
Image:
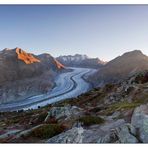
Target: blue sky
<point>103,31</point>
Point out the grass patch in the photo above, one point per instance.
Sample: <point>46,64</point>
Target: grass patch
<point>109,87</point>
<point>90,120</point>
<point>47,131</point>
<point>12,121</point>
<point>124,105</point>
<point>121,106</point>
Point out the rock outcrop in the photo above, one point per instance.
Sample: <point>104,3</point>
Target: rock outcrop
<point>140,122</point>
<point>74,135</point>
<point>126,134</point>
<point>66,112</point>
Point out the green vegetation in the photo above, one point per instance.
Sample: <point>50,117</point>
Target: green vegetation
<point>109,87</point>
<point>95,109</point>
<point>42,117</point>
<point>142,78</point>
<point>12,121</point>
<point>47,131</point>
<point>124,105</point>
<point>90,120</point>
<point>121,106</point>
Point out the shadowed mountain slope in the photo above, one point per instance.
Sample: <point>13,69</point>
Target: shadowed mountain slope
<point>121,67</point>
<point>23,74</point>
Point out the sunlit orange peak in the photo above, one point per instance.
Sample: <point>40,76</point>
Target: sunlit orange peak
<point>26,57</point>
<point>58,64</point>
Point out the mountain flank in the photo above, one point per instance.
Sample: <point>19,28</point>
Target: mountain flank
<point>120,68</point>
<point>24,74</point>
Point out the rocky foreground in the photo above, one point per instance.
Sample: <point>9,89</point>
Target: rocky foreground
<point>116,113</point>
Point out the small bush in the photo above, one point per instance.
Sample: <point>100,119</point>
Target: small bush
<point>42,117</point>
<point>142,78</point>
<point>20,111</point>
<point>96,109</point>
<point>47,131</point>
<point>108,87</point>
<point>129,90</point>
<point>90,120</point>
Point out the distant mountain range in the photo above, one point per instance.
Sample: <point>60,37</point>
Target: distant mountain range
<point>78,60</point>
<point>120,68</point>
<point>23,74</point>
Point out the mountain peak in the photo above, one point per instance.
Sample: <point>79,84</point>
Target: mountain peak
<point>79,60</point>
<point>133,53</point>
<point>25,57</point>
<point>6,49</point>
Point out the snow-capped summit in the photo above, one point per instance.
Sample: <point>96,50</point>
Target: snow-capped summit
<point>78,60</point>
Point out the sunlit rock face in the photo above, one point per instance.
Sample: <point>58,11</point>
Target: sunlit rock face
<point>59,65</point>
<point>26,57</point>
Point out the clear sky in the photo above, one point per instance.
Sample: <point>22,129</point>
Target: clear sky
<point>103,31</point>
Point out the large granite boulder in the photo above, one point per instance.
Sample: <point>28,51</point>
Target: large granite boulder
<point>74,135</point>
<point>140,121</point>
<point>65,112</point>
<point>126,134</point>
